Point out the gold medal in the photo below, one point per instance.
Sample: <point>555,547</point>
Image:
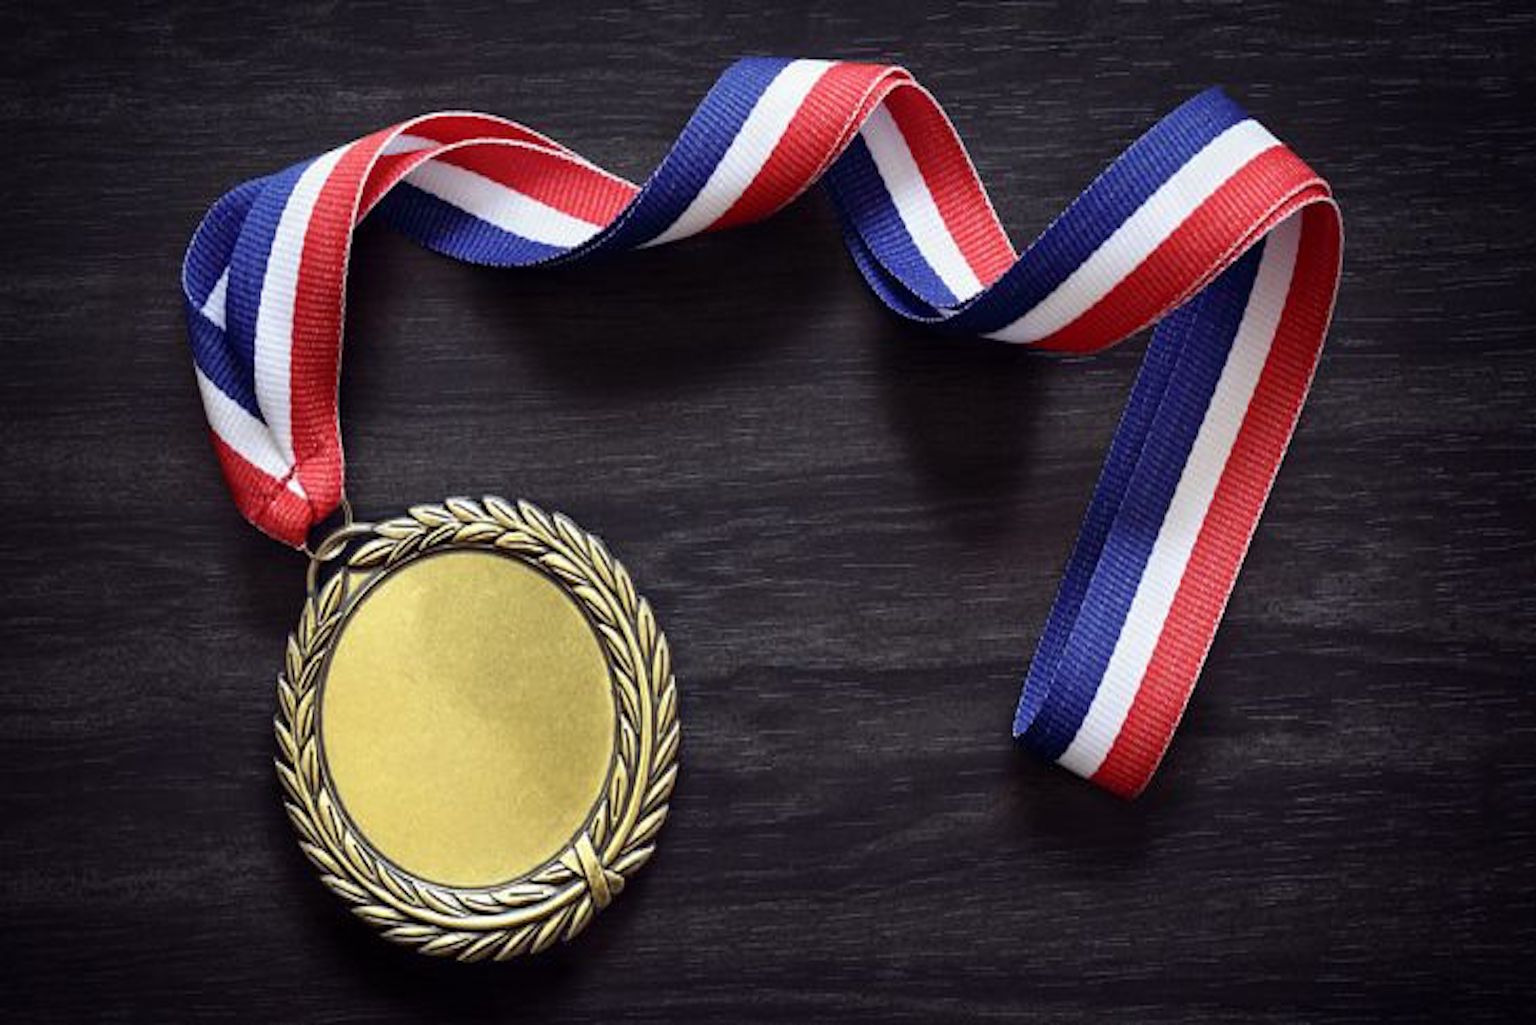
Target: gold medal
<point>477,726</point>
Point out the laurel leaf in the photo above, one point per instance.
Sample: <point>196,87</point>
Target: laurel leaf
<point>626,587</point>
<point>411,933</point>
<point>397,529</point>
<point>373,553</point>
<point>345,889</point>
<point>602,561</point>
<point>660,788</point>
<point>322,858</point>
<point>517,942</point>
<point>647,827</point>
<point>580,918</point>
<point>395,885</point>
<point>362,865</point>
<point>301,822</point>
<point>331,595</point>
<point>476,533</point>
<point>645,622</point>
<point>569,533</point>
<point>483,903</point>
<point>666,704</point>
<point>631,862</point>
<point>599,830</point>
<point>330,818</point>
<point>307,620</point>
<point>304,716</point>
<point>378,914</point>
<point>430,515</point>
<point>627,742</point>
<point>309,766</point>
<point>464,510</point>
<point>517,541</point>
<point>562,567</point>
<point>482,947</point>
<point>629,695</point>
<point>615,814</point>
<point>661,664</point>
<point>441,535</point>
<point>618,647</point>
<point>440,900</point>
<point>446,944</point>
<point>501,512</point>
<point>554,874</point>
<point>592,598</point>
<point>666,749</point>
<point>311,674</point>
<point>536,519</point>
<point>618,785</point>
<point>549,932</point>
<point>522,894</point>
<point>285,696</point>
<point>290,783</point>
<point>285,745</point>
<point>407,547</point>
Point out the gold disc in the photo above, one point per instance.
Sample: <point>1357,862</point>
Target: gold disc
<point>477,727</point>
<point>467,718</point>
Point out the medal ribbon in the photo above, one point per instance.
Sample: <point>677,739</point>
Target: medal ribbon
<point>1207,224</point>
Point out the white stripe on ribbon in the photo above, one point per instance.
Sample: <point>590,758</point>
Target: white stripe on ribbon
<point>503,207</point>
<point>915,204</point>
<point>749,150</point>
<point>242,432</point>
<point>1140,234</point>
<point>405,142</point>
<point>274,317</point>
<point>213,306</point>
<point>1191,502</point>
<point>235,426</point>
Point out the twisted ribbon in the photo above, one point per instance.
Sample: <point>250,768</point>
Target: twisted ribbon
<point>1206,223</point>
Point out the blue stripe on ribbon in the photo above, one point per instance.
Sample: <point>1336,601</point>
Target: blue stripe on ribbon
<point>693,158</point>
<point>1112,198</point>
<point>218,362</point>
<point>446,229</point>
<point>207,258</point>
<point>864,202</point>
<point>886,286</point>
<point>208,254</point>
<point>1151,446</point>
<point>248,264</point>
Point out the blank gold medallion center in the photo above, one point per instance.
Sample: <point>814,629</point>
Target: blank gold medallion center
<point>467,718</point>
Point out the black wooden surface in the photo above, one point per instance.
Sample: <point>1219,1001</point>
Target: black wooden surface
<point>851,531</point>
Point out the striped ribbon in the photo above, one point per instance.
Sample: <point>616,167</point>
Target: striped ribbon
<point>1207,224</point>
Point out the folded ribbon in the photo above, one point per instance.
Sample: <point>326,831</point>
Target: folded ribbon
<point>1206,223</point>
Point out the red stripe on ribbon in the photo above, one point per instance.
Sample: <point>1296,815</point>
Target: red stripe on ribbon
<point>319,297</point>
<point>555,179</point>
<point>1234,512</point>
<point>1204,245</point>
<point>262,498</point>
<point>813,138</point>
<point>952,181</point>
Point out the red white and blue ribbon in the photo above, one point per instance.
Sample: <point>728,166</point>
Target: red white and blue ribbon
<point>1207,224</point>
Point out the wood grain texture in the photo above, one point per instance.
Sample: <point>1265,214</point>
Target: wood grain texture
<point>851,532</point>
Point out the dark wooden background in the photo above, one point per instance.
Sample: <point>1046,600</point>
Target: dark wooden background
<point>852,532</point>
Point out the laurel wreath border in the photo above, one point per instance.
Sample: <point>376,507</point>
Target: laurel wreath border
<point>557,901</point>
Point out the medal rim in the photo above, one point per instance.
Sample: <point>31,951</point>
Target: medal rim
<point>557,900</point>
